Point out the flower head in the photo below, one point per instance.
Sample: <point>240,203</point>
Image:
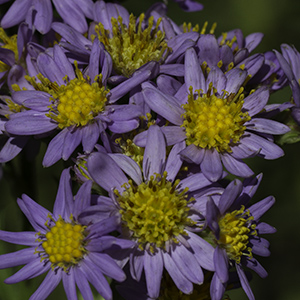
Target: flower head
<point>155,210</point>
<point>78,107</point>
<point>234,227</point>
<point>220,124</point>
<point>64,246</point>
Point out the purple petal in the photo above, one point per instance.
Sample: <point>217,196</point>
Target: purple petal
<point>179,279</point>
<point>54,150</point>
<point>174,161</point>
<point>194,182</point>
<point>173,134</point>
<point>12,147</point>
<point>105,171</point>
<point>29,123</point>
<point>208,50</point>
<point>203,251</point>
<point>123,126</point>
<point>72,140</point>
<point>69,284</point>
<point>43,16</point>
<point>211,165</point>
<point>212,214</point>
<point>244,282</point>
<point>63,205</point>
<point>96,278</point>
<point>27,238</point>
<point>50,282</point>
<point>267,126</point>
<point>103,227</point>
<point>217,288</point>
<point>62,62</point>
<point>17,258</point>
<point>217,78</point>
<point>264,228</point>
<point>129,166</point>
<point>268,150</point>
<point>155,152</point>
<point>71,14</point>
<point>153,267</point>
<point>83,284</point>
<point>255,102</point>
<point>82,199</point>
<point>164,105</point>
<point>254,265</point>
<point>34,268</point>
<point>38,213</point>
<point>187,264</point>
<point>236,166</point>
<point>259,208</point>
<point>193,73</point>
<point>107,266</point>
<point>136,264</point>
<point>235,80</point>
<point>90,136</point>
<point>260,247</point>
<point>193,154</point>
<point>221,264</point>
<point>16,13</point>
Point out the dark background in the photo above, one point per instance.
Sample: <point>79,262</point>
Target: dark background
<point>280,23</point>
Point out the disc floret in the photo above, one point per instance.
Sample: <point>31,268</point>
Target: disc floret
<point>216,122</point>
<point>155,211</point>
<point>131,46</point>
<point>64,243</point>
<point>235,229</point>
<point>77,102</point>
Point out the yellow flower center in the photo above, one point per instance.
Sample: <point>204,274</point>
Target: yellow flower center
<point>155,212</point>
<point>235,229</point>
<point>131,47</point>
<point>64,244</point>
<point>8,43</point>
<point>75,104</point>
<point>214,122</point>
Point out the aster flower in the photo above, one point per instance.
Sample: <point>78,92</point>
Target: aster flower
<point>40,12</point>
<point>289,61</point>
<point>133,42</point>
<point>81,260</point>
<point>235,227</point>
<point>75,106</point>
<point>220,125</point>
<point>155,210</point>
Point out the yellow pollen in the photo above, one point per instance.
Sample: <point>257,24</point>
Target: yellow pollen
<point>75,104</point>
<point>213,122</point>
<point>155,212</point>
<point>131,47</point>
<point>8,43</point>
<point>235,230</point>
<point>64,244</point>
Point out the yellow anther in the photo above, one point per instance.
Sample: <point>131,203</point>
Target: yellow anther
<point>153,211</point>
<point>130,46</point>
<point>234,234</point>
<point>214,122</point>
<point>64,244</point>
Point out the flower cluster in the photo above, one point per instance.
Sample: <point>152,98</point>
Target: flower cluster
<point>155,123</point>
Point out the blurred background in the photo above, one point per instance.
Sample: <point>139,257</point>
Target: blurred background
<point>280,23</point>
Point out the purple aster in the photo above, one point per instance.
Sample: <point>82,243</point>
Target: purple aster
<point>155,210</point>
<point>219,124</point>
<point>77,108</point>
<point>39,13</point>
<point>289,61</point>
<point>81,260</point>
<point>235,227</point>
